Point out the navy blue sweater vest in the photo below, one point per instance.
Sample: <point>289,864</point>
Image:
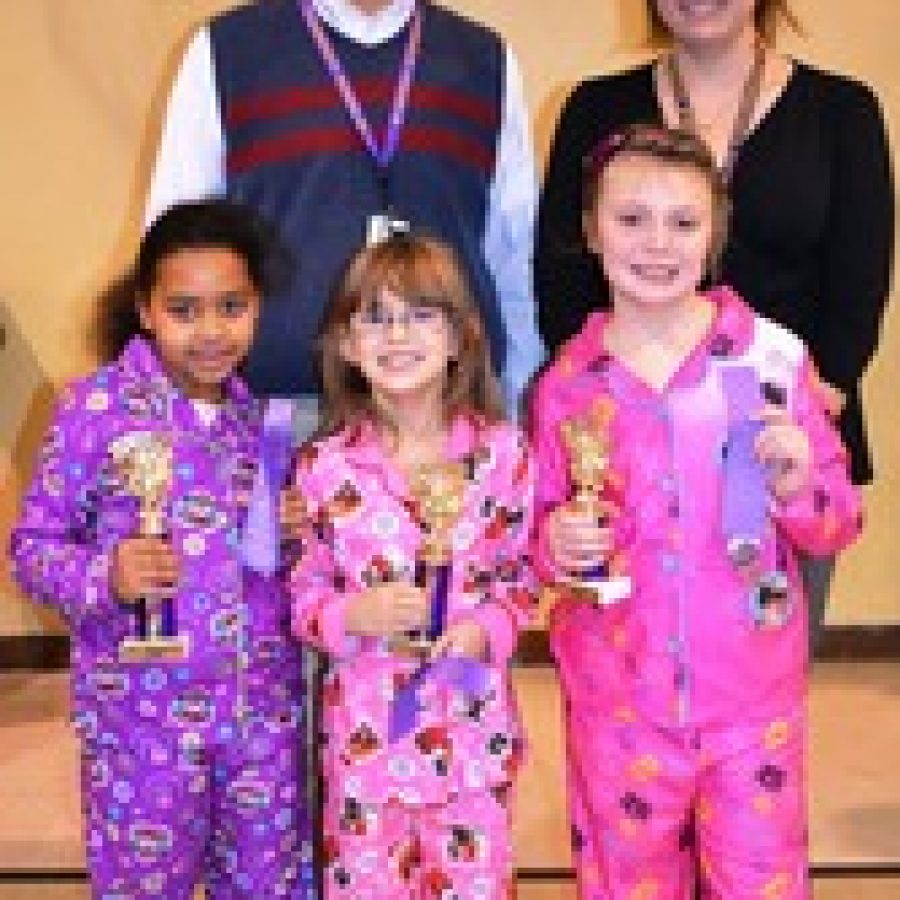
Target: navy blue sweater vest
<point>294,155</point>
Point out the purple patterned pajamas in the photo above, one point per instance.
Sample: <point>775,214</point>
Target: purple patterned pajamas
<point>191,768</point>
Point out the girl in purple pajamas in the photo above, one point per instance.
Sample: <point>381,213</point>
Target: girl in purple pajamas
<point>416,806</point>
<point>685,694</point>
<point>190,761</point>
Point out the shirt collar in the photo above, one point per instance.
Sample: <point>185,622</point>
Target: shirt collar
<point>362,440</point>
<point>729,335</point>
<point>369,30</point>
<point>140,361</point>
<point>363,450</point>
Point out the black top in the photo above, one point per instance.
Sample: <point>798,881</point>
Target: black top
<point>812,228</point>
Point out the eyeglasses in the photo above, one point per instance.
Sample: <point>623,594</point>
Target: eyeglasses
<point>417,318</point>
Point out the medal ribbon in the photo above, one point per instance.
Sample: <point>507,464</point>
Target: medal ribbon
<point>382,153</point>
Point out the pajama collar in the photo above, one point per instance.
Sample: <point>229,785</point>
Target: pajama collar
<point>362,449</point>
<point>369,30</point>
<point>140,363</point>
<point>729,335</point>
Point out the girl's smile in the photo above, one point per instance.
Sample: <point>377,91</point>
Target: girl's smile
<point>402,348</point>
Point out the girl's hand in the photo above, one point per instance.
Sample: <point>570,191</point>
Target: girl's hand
<point>144,567</point>
<point>784,449</point>
<point>579,538</point>
<point>465,638</point>
<point>386,610</point>
<point>832,398</point>
<point>292,512</point>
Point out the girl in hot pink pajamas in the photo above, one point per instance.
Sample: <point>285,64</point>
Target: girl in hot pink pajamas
<point>407,381</point>
<point>685,700</point>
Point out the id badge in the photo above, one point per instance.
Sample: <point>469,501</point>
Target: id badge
<point>382,227</point>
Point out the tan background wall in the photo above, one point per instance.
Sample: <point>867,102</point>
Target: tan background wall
<point>81,89</point>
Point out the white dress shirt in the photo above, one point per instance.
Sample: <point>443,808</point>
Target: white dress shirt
<point>190,164</point>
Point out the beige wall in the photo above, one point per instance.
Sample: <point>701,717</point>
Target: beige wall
<point>81,86</point>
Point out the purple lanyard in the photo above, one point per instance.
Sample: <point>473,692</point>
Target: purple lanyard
<point>384,153</point>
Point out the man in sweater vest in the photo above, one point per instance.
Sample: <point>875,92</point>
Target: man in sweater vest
<point>335,118</point>
<point>325,114</point>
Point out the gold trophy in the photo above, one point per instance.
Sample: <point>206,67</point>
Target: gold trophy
<point>144,461</point>
<point>587,445</point>
<point>439,489</point>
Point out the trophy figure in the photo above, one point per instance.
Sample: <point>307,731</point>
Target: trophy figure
<point>587,444</point>
<point>439,489</point>
<point>144,461</point>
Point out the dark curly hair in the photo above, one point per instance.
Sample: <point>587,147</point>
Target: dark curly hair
<point>199,224</point>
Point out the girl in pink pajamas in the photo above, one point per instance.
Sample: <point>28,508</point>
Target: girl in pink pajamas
<point>418,809</point>
<point>685,699</point>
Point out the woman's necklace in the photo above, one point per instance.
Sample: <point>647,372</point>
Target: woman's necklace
<point>749,96</point>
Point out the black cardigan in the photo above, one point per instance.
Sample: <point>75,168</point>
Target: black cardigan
<point>812,227</point>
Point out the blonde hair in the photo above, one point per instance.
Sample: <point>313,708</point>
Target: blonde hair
<point>668,146</point>
<point>419,270</point>
<point>766,16</point>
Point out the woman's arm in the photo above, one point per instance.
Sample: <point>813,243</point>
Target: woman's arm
<point>857,250</point>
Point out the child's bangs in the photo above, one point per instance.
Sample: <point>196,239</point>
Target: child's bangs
<point>413,276</point>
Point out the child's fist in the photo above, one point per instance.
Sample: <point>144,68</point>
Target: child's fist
<point>386,610</point>
<point>292,512</point>
<point>783,448</point>
<point>465,638</point>
<point>143,567</point>
<point>580,539</point>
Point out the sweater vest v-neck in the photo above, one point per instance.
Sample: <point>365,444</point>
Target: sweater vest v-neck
<point>294,155</point>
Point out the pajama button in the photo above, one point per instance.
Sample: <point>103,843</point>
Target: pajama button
<point>669,563</point>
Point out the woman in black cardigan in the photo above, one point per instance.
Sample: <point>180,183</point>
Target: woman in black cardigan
<point>806,153</point>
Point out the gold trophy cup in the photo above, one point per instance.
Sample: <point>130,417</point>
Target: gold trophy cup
<point>439,489</point>
<point>144,461</point>
<point>587,445</point>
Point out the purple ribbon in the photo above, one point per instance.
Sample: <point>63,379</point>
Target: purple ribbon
<point>382,153</point>
<point>460,672</point>
<point>261,544</point>
<point>745,496</point>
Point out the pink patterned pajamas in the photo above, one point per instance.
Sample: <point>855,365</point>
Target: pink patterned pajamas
<point>425,815</point>
<point>685,705</point>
